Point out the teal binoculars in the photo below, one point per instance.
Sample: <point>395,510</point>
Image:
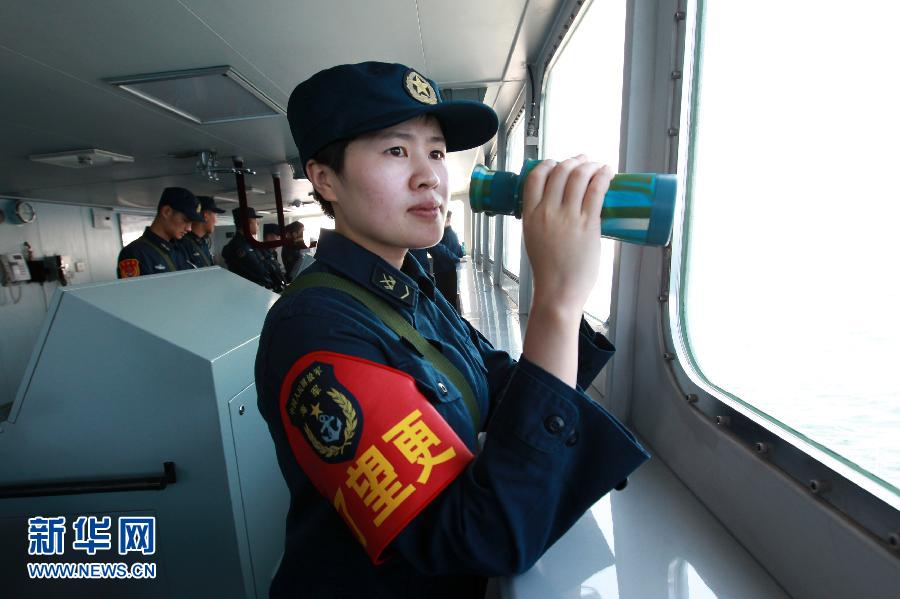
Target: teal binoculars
<point>638,208</point>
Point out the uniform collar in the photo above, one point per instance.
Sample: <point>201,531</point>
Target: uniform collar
<point>399,287</point>
<point>157,240</point>
<point>195,237</point>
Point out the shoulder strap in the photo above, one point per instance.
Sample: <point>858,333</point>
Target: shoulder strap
<point>393,320</point>
<point>162,254</point>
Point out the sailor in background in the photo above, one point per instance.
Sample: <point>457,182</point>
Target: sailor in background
<point>196,244</point>
<point>242,258</point>
<point>375,390</point>
<point>292,250</point>
<point>154,252</point>
<point>446,255</point>
<point>276,273</point>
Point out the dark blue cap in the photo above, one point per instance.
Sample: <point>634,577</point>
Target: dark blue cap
<point>207,203</point>
<point>270,229</point>
<point>183,201</point>
<point>236,213</point>
<point>351,99</point>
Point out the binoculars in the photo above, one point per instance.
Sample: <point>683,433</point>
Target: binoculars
<point>638,208</point>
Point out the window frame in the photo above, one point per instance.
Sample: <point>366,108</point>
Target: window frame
<point>824,474</point>
<point>519,118</point>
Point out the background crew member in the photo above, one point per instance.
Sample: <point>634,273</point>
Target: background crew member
<point>292,251</point>
<point>446,255</point>
<point>421,254</point>
<point>196,244</point>
<point>154,251</point>
<point>242,258</point>
<point>376,431</point>
<point>270,233</point>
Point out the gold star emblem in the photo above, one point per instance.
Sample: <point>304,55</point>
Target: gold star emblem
<point>316,410</point>
<point>419,88</point>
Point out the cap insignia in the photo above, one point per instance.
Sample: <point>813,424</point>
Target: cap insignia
<point>419,89</point>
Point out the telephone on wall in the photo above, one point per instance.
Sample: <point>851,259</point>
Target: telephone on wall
<point>15,268</point>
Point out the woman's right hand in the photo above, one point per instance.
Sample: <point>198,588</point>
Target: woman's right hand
<point>561,227</point>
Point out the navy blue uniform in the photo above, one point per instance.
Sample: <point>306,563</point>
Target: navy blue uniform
<point>291,253</point>
<point>276,274</point>
<point>550,451</point>
<point>446,255</point>
<point>196,250</point>
<point>422,256</point>
<point>447,252</point>
<point>249,262</point>
<point>150,254</point>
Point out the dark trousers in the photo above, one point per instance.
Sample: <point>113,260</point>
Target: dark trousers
<point>447,284</point>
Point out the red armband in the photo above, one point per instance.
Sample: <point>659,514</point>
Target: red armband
<point>369,441</point>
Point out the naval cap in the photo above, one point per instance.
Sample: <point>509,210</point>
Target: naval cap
<point>237,214</point>
<point>208,203</point>
<point>183,201</point>
<point>351,99</point>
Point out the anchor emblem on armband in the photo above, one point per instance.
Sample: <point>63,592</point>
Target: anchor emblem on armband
<point>325,412</point>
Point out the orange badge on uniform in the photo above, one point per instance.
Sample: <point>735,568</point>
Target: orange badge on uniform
<point>129,268</point>
<point>369,441</point>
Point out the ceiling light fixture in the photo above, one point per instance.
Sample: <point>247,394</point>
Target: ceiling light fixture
<point>203,96</point>
<point>81,158</point>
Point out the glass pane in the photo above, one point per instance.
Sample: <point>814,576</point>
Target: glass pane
<point>583,107</point>
<point>313,225</point>
<point>791,291</point>
<point>512,235</point>
<point>132,226</point>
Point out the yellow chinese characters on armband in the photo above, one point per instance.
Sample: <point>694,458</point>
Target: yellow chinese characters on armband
<point>369,441</point>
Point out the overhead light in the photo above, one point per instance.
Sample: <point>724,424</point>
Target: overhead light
<point>203,96</point>
<point>81,158</point>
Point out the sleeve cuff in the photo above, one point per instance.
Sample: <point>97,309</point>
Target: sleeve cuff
<point>594,351</point>
<point>538,408</point>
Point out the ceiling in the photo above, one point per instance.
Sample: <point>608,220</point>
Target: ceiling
<point>55,56</point>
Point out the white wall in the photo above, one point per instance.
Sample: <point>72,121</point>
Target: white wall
<point>57,230</point>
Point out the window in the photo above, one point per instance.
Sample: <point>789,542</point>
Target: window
<point>512,235</point>
<point>789,289</point>
<point>313,225</point>
<point>582,110</point>
<point>132,226</point>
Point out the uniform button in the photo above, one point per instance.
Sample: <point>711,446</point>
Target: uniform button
<point>443,388</point>
<point>554,424</point>
<point>572,440</point>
